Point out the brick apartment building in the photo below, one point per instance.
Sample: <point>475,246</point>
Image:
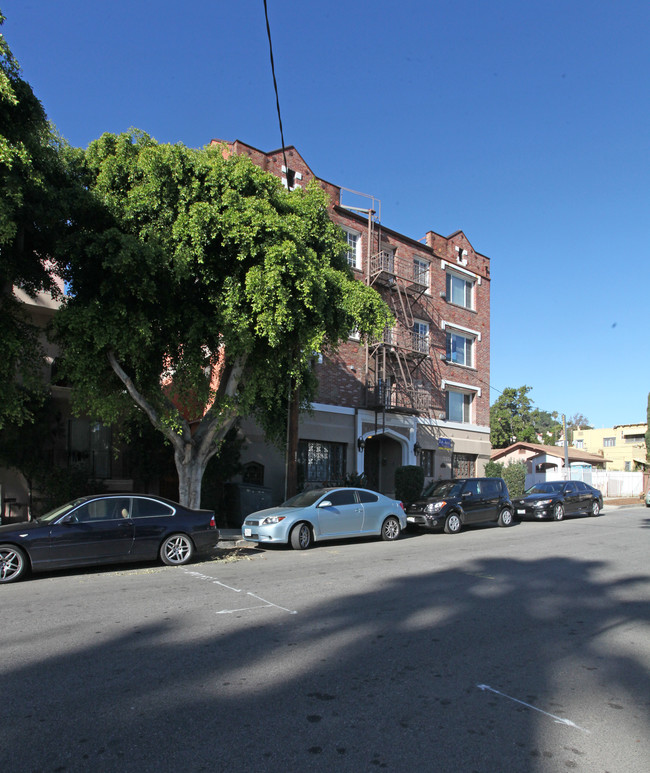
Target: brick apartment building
<point>420,395</point>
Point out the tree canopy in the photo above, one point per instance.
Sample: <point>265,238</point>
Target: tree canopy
<point>198,287</point>
<point>30,173</point>
<point>513,418</point>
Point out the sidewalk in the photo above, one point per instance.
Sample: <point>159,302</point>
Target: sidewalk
<point>231,538</point>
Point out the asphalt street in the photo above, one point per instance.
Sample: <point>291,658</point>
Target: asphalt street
<point>524,649</point>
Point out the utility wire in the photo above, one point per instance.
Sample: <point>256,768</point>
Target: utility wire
<point>277,98</point>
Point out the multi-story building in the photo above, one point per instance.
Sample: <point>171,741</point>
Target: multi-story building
<point>419,395</point>
<point>623,445</point>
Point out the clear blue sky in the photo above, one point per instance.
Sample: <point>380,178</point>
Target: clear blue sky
<point>525,124</point>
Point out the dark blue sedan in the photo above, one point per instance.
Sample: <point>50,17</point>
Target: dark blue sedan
<point>106,529</point>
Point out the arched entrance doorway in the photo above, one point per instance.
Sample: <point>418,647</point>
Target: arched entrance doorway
<point>382,456</point>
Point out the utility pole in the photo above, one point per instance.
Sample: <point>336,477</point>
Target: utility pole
<point>567,476</point>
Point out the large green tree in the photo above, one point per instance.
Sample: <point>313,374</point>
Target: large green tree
<point>30,208</point>
<point>200,289</point>
<point>510,418</point>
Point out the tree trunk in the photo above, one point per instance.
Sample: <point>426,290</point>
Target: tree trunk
<point>190,468</point>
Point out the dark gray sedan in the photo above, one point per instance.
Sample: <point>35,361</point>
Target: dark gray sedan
<point>557,498</point>
<point>106,529</point>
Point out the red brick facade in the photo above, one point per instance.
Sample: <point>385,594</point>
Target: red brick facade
<point>439,291</point>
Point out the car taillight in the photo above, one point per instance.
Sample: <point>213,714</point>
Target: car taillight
<point>213,523</point>
<point>401,504</point>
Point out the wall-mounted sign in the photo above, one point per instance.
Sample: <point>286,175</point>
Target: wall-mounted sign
<point>444,442</point>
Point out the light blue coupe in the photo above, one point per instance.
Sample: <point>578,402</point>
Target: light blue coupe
<point>324,514</point>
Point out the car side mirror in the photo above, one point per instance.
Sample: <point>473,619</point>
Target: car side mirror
<point>325,503</point>
<point>69,518</point>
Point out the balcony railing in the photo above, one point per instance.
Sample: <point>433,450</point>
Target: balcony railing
<point>395,397</point>
<point>408,340</point>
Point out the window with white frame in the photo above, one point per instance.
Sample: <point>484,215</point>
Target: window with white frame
<point>608,442</point>
<point>459,406</point>
<point>460,349</point>
<point>580,444</point>
<point>353,254</point>
<point>460,290</point>
<point>421,336</point>
<point>421,272</point>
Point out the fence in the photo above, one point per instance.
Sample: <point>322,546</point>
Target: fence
<point>611,483</point>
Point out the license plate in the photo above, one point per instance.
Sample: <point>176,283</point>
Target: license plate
<point>247,532</point>
<point>521,512</point>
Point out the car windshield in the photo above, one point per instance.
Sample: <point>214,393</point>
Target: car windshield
<point>58,512</point>
<point>305,498</point>
<point>443,488</point>
<point>545,488</point>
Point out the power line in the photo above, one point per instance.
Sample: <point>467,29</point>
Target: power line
<point>277,98</point>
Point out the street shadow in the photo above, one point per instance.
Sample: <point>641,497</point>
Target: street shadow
<point>383,678</point>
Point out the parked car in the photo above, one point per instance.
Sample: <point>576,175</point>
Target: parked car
<point>106,529</point>
<point>555,499</point>
<point>647,498</point>
<point>324,514</point>
<point>451,504</point>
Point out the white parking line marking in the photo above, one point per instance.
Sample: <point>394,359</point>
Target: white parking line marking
<point>560,720</point>
<point>270,603</point>
<point>266,603</point>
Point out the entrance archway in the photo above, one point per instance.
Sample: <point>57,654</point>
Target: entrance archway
<point>382,456</point>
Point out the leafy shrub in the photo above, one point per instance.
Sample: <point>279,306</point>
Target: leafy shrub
<point>494,470</point>
<point>409,480</point>
<point>515,478</point>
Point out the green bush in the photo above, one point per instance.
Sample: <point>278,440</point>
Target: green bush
<point>494,470</point>
<point>515,478</point>
<point>409,480</point>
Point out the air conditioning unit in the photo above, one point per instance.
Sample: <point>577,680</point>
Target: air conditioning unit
<point>443,294</point>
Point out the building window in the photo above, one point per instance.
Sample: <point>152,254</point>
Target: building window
<point>353,254</point>
<point>580,444</point>
<point>636,439</point>
<point>464,465</point>
<point>460,291</point>
<point>253,473</point>
<point>459,405</point>
<point>421,336</point>
<point>608,442</point>
<point>321,461</point>
<point>421,272</point>
<point>628,466</point>
<point>427,460</point>
<point>460,349</point>
<point>89,447</point>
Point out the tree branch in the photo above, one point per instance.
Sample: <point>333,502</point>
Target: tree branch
<point>148,409</point>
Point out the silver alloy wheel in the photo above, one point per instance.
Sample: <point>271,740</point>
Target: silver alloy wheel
<point>595,508</point>
<point>12,563</point>
<point>176,550</point>
<point>301,537</point>
<point>453,524</point>
<point>558,512</point>
<point>390,529</point>
<point>505,517</point>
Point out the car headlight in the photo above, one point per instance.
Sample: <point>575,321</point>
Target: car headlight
<point>542,503</point>
<point>435,507</point>
<point>271,519</point>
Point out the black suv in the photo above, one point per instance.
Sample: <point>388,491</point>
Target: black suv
<point>449,504</point>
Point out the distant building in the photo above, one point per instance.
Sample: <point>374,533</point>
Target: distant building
<point>540,458</point>
<point>623,444</point>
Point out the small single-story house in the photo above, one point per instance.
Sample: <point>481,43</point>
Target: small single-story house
<point>540,458</point>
